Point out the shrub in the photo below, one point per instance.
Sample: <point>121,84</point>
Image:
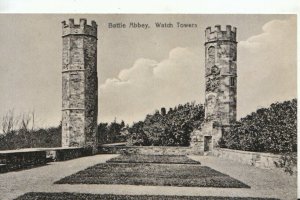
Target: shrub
<point>49,137</point>
<point>272,129</point>
<point>288,162</point>
<point>111,133</point>
<point>170,128</point>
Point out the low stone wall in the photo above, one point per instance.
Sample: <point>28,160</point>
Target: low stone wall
<point>148,150</point>
<point>261,160</point>
<point>18,159</point>
<point>25,158</point>
<point>61,154</point>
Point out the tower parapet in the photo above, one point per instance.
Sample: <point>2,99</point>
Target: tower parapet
<point>217,34</point>
<point>79,29</point>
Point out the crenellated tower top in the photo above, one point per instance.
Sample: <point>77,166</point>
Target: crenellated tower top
<point>217,34</point>
<point>79,29</point>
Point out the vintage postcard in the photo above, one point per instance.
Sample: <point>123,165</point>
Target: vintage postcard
<point>148,106</point>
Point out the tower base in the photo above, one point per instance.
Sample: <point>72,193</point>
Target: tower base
<point>207,138</point>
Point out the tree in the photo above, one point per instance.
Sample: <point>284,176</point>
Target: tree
<point>272,129</point>
<point>111,133</point>
<point>19,132</point>
<point>137,135</point>
<point>168,129</point>
<point>9,122</point>
<point>102,133</point>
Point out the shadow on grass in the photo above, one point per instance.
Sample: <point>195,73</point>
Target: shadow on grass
<point>83,196</point>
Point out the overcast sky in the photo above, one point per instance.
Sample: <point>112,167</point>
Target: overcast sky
<point>142,70</point>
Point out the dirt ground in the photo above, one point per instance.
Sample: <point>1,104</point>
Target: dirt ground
<point>263,182</point>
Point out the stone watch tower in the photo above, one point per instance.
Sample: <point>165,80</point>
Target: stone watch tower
<point>220,88</point>
<point>79,84</point>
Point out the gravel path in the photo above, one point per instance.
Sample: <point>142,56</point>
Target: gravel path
<point>264,183</point>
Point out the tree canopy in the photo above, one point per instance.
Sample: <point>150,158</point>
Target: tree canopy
<point>272,129</point>
<point>170,128</point>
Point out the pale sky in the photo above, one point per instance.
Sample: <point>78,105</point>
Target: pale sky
<point>142,70</point>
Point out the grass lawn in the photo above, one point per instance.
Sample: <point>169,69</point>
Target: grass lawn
<point>138,158</point>
<point>153,174</point>
<point>82,196</point>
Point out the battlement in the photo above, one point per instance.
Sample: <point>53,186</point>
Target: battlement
<point>82,28</point>
<point>218,34</point>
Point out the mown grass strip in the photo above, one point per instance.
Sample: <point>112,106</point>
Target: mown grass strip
<point>153,174</point>
<point>83,196</point>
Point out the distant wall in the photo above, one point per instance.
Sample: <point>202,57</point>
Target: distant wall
<point>61,154</point>
<point>25,158</point>
<point>13,160</point>
<point>149,150</point>
<point>261,160</point>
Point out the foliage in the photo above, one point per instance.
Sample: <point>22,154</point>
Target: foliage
<point>18,131</point>
<point>272,129</point>
<point>170,128</point>
<point>288,162</point>
<point>111,133</point>
<point>49,137</point>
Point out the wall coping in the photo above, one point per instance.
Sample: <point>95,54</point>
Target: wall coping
<point>247,152</point>
<point>113,144</point>
<point>36,149</point>
<point>163,147</point>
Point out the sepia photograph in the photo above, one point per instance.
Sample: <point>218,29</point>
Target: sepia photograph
<point>148,106</point>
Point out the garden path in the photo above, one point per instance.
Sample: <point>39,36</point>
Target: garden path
<point>263,182</point>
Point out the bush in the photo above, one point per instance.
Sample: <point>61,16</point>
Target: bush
<point>170,128</point>
<point>272,130</point>
<point>288,162</point>
<point>111,133</point>
<point>49,137</point>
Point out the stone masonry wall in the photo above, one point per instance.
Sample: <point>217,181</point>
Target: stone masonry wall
<point>261,160</point>
<point>220,75</point>
<point>91,89</point>
<point>148,150</point>
<point>79,84</point>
